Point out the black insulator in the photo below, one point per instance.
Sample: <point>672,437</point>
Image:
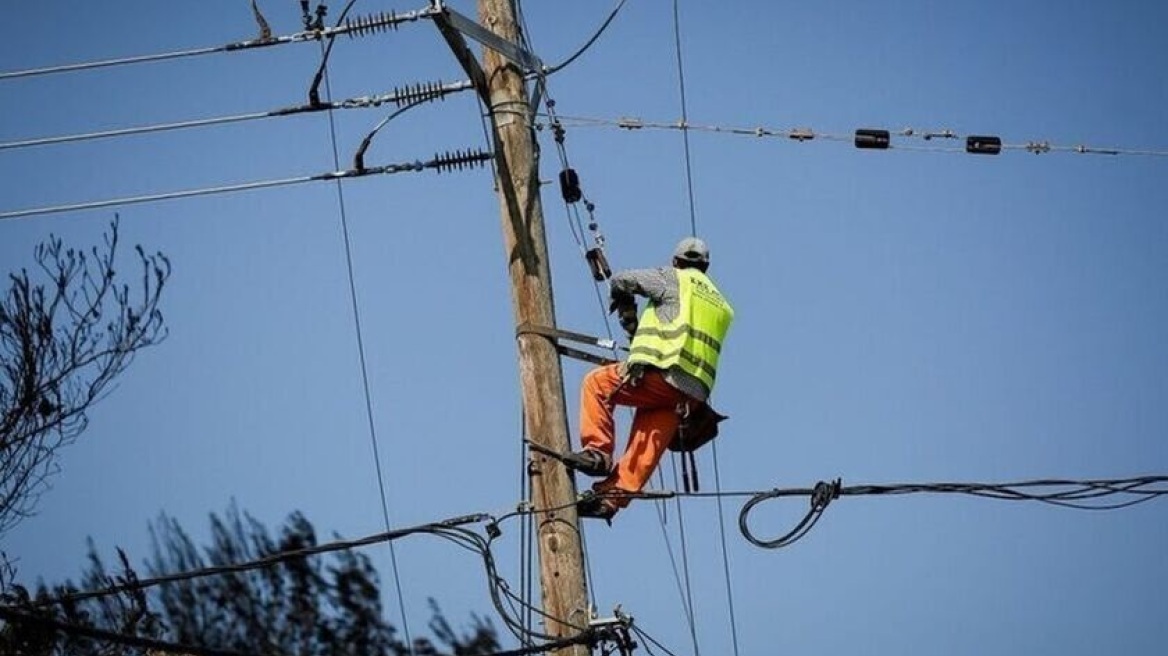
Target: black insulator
<point>877,139</point>
<point>570,186</point>
<point>372,23</point>
<point>598,263</point>
<point>983,145</point>
<point>417,93</point>
<point>458,160</point>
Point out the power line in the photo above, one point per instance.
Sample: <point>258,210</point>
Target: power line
<point>361,344</point>
<point>587,44</point>
<point>1037,147</point>
<point>1080,495</point>
<point>1064,493</point>
<point>457,160</point>
<point>725,550</point>
<point>399,96</point>
<point>353,28</point>
<point>266,561</point>
<point>684,122</point>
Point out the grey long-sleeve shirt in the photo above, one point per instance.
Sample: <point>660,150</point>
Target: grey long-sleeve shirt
<point>663,290</point>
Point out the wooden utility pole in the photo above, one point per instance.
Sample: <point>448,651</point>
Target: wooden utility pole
<point>545,417</point>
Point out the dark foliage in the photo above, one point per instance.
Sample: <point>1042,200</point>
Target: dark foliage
<point>325,605</point>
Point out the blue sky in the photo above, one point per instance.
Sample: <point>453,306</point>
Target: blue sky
<point>902,315</point>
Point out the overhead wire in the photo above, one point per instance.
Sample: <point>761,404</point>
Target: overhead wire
<point>650,639</point>
<point>1078,494</point>
<point>361,345</point>
<point>684,118</point>
<point>587,44</point>
<point>1064,493</point>
<point>451,160</point>
<point>450,530</point>
<point>692,205</point>
<point>801,135</point>
<point>397,96</point>
<point>270,560</point>
<point>687,598</point>
<point>725,549</point>
<point>298,37</point>
<point>1067,493</point>
<point>314,88</point>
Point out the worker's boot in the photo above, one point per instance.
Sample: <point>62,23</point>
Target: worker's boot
<point>596,507</point>
<point>590,462</point>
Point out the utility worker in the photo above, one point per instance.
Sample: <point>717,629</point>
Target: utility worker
<point>672,364</point>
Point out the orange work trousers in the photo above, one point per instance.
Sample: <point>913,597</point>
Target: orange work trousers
<point>654,424</point>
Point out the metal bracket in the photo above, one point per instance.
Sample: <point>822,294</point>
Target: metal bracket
<point>454,26</point>
<point>512,51</point>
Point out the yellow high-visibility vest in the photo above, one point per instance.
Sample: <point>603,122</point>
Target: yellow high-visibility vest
<point>691,342</point>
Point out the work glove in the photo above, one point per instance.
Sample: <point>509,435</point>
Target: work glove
<point>624,305</point>
<point>619,300</point>
<point>628,319</point>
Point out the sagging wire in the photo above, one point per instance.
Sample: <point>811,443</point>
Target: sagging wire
<point>1064,493</point>
<point>453,530</point>
<point>587,44</point>
<point>410,97</point>
<point>502,597</point>
<point>1079,495</point>
<point>267,561</point>
<point>448,161</point>
<point>571,190</point>
<point>398,96</point>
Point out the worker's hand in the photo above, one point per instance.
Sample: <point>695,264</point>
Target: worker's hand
<point>628,320</point>
<point>621,300</point>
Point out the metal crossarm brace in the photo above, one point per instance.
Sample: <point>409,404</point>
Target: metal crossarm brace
<point>527,61</point>
<point>454,26</point>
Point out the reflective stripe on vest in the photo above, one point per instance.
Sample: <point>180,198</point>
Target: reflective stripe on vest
<point>693,341</point>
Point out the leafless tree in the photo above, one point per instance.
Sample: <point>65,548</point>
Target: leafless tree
<point>67,330</point>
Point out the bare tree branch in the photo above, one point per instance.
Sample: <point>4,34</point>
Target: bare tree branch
<point>65,336</point>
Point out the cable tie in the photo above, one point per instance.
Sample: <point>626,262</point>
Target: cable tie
<point>629,123</point>
<point>1038,147</point>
